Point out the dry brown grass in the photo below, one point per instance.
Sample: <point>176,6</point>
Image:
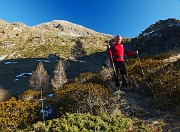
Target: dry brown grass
<point>4,94</point>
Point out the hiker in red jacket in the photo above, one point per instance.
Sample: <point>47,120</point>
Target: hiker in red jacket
<point>116,52</point>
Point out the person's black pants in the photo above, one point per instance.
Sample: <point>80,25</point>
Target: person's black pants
<point>120,66</point>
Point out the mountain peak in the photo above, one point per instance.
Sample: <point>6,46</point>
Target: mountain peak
<point>64,27</point>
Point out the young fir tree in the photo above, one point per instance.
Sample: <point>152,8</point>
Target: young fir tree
<point>59,76</point>
<point>40,81</point>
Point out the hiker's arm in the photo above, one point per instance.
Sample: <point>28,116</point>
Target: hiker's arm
<point>109,50</point>
<point>129,53</point>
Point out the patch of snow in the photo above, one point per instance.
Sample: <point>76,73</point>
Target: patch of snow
<point>24,75</point>
<point>48,110</point>
<point>8,62</point>
<point>43,60</point>
<point>16,79</point>
<point>51,95</point>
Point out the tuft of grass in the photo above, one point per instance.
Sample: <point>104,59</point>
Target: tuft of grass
<point>4,94</point>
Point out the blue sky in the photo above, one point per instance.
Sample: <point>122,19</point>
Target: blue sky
<point>125,17</point>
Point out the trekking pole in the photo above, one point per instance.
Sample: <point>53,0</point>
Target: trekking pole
<point>140,62</point>
<point>112,62</point>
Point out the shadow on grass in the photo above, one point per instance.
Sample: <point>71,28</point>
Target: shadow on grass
<point>15,73</point>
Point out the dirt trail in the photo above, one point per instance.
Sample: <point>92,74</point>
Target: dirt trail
<point>175,57</point>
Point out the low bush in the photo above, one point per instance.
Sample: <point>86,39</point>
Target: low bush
<point>159,80</point>
<point>83,98</point>
<point>16,114</point>
<point>86,122</point>
<point>87,77</point>
<point>30,95</point>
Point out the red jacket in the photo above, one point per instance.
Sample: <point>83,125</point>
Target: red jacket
<point>117,52</point>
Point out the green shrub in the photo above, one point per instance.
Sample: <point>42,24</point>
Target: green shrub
<point>87,77</point>
<point>30,95</point>
<point>16,114</point>
<point>164,84</point>
<point>83,98</point>
<point>85,123</point>
<point>105,74</point>
<point>89,123</point>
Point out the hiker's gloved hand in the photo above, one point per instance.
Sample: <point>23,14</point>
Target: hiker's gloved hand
<point>136,53</point>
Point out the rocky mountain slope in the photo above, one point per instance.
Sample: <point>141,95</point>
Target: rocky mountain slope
<point>16,38</point>
<point>56,27</point>
<point>163,36</point>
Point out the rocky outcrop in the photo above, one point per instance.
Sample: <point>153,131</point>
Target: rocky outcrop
<point>18,24</point>
<point>163,36</point>
<point>161,24</point>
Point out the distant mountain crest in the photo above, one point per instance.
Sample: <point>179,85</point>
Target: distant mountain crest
<point>58,27</point>
<point>161,24</point>
<point>67,28</point>
<point>163,36</point>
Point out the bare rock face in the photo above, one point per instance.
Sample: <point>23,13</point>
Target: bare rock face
<point>161,24</point>
<point>18,24</point>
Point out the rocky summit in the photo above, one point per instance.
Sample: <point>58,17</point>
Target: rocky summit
<point>62,27</point>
